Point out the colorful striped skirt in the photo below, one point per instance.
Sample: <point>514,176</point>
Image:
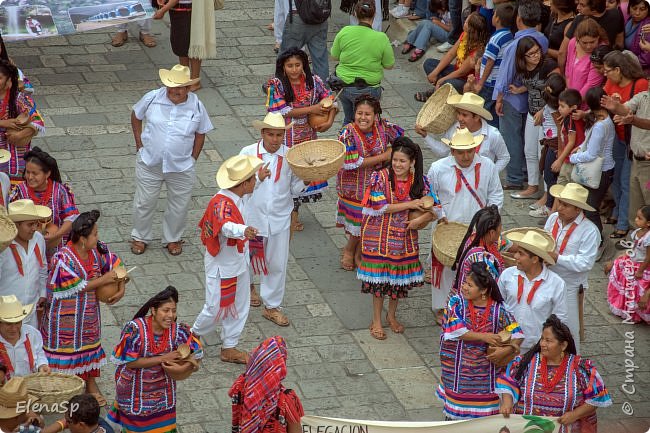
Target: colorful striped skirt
<point>349,215</point>
<point>389,276</point>
<point>159,422</point>
<point>465,406</point>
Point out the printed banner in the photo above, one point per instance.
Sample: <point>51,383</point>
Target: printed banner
<point>30,19</point>
<point>490,424</point>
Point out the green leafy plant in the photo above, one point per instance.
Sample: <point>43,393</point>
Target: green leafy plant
<point>538,424</point>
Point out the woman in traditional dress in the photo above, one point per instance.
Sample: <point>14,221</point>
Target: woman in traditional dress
<point>260,403</point>
<point>296,93</point>
<point>390,255</point>
<point>471,323</point>
<point>551,380</point>
<point>72,323</point>
<point>367,147</point>
<point>145,395</point>
<point>19,121</point>
<point>43,185</point>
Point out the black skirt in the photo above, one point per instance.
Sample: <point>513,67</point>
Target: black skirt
<point>179,32</point>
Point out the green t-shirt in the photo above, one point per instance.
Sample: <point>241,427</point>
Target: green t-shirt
<point>362,53</point>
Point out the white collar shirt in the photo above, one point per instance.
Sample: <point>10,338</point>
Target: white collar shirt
<point>170,129</point>
<point>461,206</point>
<point>579,255</point>
<point>550,298</point>
<point>229,262</point>
<point>18,353</point>
<point>493,146</point>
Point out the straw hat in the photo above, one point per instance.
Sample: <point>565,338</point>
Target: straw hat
<point>470,102</point>
<point>572,193</point>
<point>11,394</point>
<point>535,243</point>
<point>272,121</point>
<point>463,140</point>
<point>4,156</point>
<point>12,310</point>
<point>26,210</point>
<point>237,169</point>
<point>178,76</point>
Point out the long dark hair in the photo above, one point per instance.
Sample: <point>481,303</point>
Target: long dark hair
<point>525,44</point>
<point>560,331</point>
<point>555,84</point>
<point>45,161</point>
<point>9,70</point>
<point>483,221</point>
<point>3,54</point>
<point>169,294</point>
<point>592,98</point>
<point>406,146</point>
<point>481,275</point>
<point>289,97</point>
<point>83,227</point>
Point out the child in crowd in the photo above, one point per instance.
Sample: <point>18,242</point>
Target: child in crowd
<point>438,28</point>
<point>572,134</point>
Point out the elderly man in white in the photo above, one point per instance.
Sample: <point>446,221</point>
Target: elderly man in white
<point>576,246</point>
<point>21,345</point>
<point>465,182</point>
<point>471,115</point>
<point>23,266</point>
<point>268,209</point>
<point>530,290</point>
<point>173,136</point>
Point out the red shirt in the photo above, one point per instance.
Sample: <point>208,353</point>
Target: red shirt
<point>625,94</point>
<point>569,125</point>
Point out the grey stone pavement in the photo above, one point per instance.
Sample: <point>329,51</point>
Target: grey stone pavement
<point>85,89</point>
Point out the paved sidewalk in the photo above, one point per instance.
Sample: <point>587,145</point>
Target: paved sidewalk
<point>85,89</point>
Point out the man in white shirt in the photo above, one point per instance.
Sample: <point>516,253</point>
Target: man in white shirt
<point>471,115</point>
<point>531,291</point>
<point>23,266</point>
<point>21,345</point>
<point>226,258</point>
<point>576,247</point>
<point>167,149</point>
<point>268,209</point>
<point>464,182</point>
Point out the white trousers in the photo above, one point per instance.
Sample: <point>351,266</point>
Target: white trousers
<point>148,182</point>
<point>231,327</point>
<point>143,25</point>
<point>572,313</point>
<point>376,21</point>
<point>272,285</point>
<point>440,297</point>
<point>280,11</point>
<point>532,149</point>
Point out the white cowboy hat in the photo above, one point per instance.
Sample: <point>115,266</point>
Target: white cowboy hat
<point>470,102</point>
<point>572,193</point>
<point>12,310</point>
<point>535,243</point>
<point>463,140</point>
<point>237,169</point>
<point>26,210</point>
<point>272,121</point>
<point>178,76</point>
<point>4,156</point>
<point>11,394</point>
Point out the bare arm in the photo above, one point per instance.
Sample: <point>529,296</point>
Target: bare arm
<point>371,161</point>
<point>136,125</point>
<point>199,140</point>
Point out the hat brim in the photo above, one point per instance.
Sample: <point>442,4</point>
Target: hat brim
<point>224,182</point>
<point>42,212</point>
<point>259,124</point>
<point>12,412</point>
<point>556,191</point>
<point>27,310</point>
<point>516,239</point>
<point>4,156</point>
<point>477,142</point>
<point>166,78</point>
<point>469,107</point>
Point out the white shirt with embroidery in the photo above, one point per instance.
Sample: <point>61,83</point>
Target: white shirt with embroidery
<point>18,353</point>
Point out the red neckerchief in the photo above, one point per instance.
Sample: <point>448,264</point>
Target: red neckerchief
<point>478,324</point>
<point>402,194</point>
<point>4,357</point>
<point>161,346</point>
<point>549,385</point>
<point>531,294</point>
<point>220,210</point>
<point>19,262</point>
<point>45,198</point>
<point>556,229</point>
<point>88,264</point>
<point>460,179</point>
<point>364,139</point>
<point>278,169</point>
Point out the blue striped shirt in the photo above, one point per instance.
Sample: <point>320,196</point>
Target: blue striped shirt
<point>494,51</point>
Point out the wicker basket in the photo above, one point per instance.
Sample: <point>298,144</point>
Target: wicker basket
<point>8,232</point>
<point>54,388</point>
<point>509,258</point>
<point>316,159</point>
<point>445,241</point>
<point>436,116</point>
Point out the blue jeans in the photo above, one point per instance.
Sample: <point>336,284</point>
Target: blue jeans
<point>456,13</point>
<point>431,64</point>
<point>550,178</point>
<point>350,94</point>
<point>621,184</point>
<point>490,105</point>
<point>423,33</point>
<point>511,126</point>
<point>422,9</point>
<point>297,34</point>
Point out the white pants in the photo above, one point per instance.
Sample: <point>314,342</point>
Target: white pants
<point>440,297</point>
<point>572,312</point>
<point>532,149</point>
<point>148,182</point>
<point>143,25</point>
<point>272,285</point>
<point>280,11</point>
<point>376,21</point>
<point>231,327</point>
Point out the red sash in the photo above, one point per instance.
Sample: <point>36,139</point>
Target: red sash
<point>4,357</point>
<point>19,262</point>
<point>531,294</point>
<point>461,179</point>
<point>278,169</point>
<point>556,229</point>
<point>220,210</point>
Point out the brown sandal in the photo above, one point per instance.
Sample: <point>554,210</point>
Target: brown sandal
<point>234,356</point>
<point>377,332</point>
<point>276,316</point>
<point>175,248</point>
<point>138,247</point>
<point>347,261</point>
<point>395,326</point>
<point>147,40</point>
<point>256,301</point>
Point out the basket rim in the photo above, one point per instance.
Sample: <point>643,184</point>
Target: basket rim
<point>325,164</point>
<point>440,95</point>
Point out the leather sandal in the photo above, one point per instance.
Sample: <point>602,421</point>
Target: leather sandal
<point>234,356</point>
<point>256,301</point>
<point>619,234</point>
<point>395,326</point>
<point>147,40</point>
<point>119,39</point>
<point>138,247</point>
<point>276,316</point>
<point>347,261</point>
<point>175,248</point>
<point>377,332</point>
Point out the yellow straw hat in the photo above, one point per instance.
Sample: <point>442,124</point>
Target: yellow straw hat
<point>463,140</point>
<point>535,243</point>
<point>470,102</point>
<point>572,193</point>
<point>237,169</point>
<point>178,76</point>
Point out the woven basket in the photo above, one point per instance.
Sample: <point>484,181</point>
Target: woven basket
<point>445,241</point>
<point>54,388</point>
<point>316,159</point>
<point>509,258</point>
<point>436,116</point>
<point>8,232</point>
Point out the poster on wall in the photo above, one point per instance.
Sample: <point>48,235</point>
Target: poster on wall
<point>30,19</point>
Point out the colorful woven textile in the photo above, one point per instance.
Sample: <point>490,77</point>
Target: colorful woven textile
<point>220,210</point>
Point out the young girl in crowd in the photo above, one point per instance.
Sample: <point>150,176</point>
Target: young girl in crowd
<point>572,134</point>
<point>628,291</point>
<point>437,27</point>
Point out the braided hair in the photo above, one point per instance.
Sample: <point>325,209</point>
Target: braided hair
<point>11,72</point>
<point>484,220</point>
<point>560,331</point>
<point>169,294</point>
<point>45,161</point>
<point>406,146</point>
<point>83,227</point>
<point>369,100</point>
<point>289,97</point>
<point>481,275</point>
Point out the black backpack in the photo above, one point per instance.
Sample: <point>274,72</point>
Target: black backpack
<point>312,11</point>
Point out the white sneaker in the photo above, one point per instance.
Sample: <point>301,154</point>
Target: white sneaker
<point>542,212</point>
<point>443,48</point>
<point>400,11</point>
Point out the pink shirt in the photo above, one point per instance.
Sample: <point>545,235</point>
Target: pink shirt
<point>580,74</point>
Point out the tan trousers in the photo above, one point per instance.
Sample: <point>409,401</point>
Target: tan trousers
<point>639,187</point>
